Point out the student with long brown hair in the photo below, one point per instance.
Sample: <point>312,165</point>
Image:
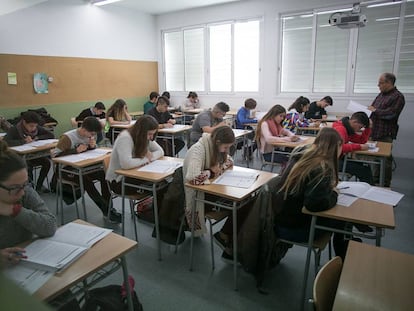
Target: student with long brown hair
<point>134,147</point>
<point>310,181</point>
<point>116,114</point>
<point>270,130</point>
<point>209,158</point>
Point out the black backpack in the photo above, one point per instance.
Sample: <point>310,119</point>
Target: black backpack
<point>109,298</point>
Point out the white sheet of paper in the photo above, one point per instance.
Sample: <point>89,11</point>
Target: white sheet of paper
<point>91,154</point>
<point>160,166</point>
<point>24,147</point>
<point>355,107</point>
<point>43,142</point>
<point>28,278</point>
<point>236,179</point>
<point>346,200</point>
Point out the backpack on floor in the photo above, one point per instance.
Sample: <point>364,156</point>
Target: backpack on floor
<point>111,298</point>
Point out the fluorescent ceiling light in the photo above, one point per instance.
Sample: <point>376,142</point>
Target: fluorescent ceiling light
<point>383,4</point>
<point>103,2</point>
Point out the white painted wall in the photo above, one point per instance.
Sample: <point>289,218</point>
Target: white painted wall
<point>74,28</point>
<point>270,10</point>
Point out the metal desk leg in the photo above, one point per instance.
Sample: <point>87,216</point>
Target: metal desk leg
<point>157,227</point>
<point>60,192</point>
<point>382,171</point>
<point>173,145</point>
<point>344,166</point>
<point>126,282</point>
<point>82,190</point>
<point>193,211</point>
<point>235,245</point>
<point>308,256</point>
<point>123,205</point>
<point>378,236</point>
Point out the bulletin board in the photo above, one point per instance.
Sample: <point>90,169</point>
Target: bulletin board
<point>74,79</point>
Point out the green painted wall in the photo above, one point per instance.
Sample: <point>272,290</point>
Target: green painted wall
<point>64,111</point>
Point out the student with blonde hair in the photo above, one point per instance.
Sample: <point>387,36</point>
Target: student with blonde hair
<point>310,181</point>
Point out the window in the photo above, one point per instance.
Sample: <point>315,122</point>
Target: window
<point>319,58</point>
<point>296,53</point>
<point>376,47</point>
<point>406,65</point>
<point>184,60</point>
<point>232,62</point>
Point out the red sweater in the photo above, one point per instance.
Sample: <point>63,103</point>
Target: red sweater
<point>352,142</point>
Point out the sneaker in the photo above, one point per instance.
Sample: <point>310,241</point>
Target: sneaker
<point>220,241</point>
<point>115,217</point>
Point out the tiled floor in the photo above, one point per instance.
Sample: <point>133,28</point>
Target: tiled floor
<point>169,285</point>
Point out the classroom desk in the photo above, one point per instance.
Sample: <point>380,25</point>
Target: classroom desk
<point>171,133</point>
<point>118,128</point>
<point>35,152</point>
<point>312,130</point>
<point>378,158</point>
<point>110,249</point>
<point>378,215</point>
<point>241,135</point>
<point>149,182</point>
<point>81,168</point>
<point>237,197</point>
<point>375,278</point>
<point>136,114</point>
<point>305,140</point>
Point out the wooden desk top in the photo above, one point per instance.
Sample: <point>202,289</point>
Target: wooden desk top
<point>375,278</point>
<point>105,251</point>
<point>305,140</point>
<point>175,129</point>
<point>384,150</point>
<point>235,193</point>
<point>83,163</point>
<point>192,111</point>
<point>35,149</point>
<point>136,113</point>
<point>315,128</point>
<point>147,176</point>
<point>124,126</point>
<point>240,133</point>
<point>361,211</point>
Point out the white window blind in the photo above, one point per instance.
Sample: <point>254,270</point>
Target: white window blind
<point>246,56</point>
<point>220,58</point>
<point>376,47</point>
<point>174,61</point>
<point>194,59</point>
<point>331,56</point>
<point>296,53</point>
<point>405,78</point>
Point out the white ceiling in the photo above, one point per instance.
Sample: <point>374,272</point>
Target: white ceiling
<point>154,7</point>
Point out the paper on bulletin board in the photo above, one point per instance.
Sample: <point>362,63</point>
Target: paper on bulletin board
<point>12,78</point>
<point>40,83</point>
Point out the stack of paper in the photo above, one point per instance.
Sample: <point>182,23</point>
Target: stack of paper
<point>90,154</point>
<point>160,166</point>
<point>351,191</point>
<point>237,179</point>
<point>46,256</point>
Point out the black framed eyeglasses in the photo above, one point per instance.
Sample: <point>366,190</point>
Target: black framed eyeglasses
<point>14,190</point>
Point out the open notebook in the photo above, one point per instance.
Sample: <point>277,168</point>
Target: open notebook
<point>46,256</point>
<point>350,191</point>
<point>68,244</point>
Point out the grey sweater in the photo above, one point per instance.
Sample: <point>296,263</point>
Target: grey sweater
<point>33,219</point>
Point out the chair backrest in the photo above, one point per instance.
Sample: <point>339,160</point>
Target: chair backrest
<point>326,284</point>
